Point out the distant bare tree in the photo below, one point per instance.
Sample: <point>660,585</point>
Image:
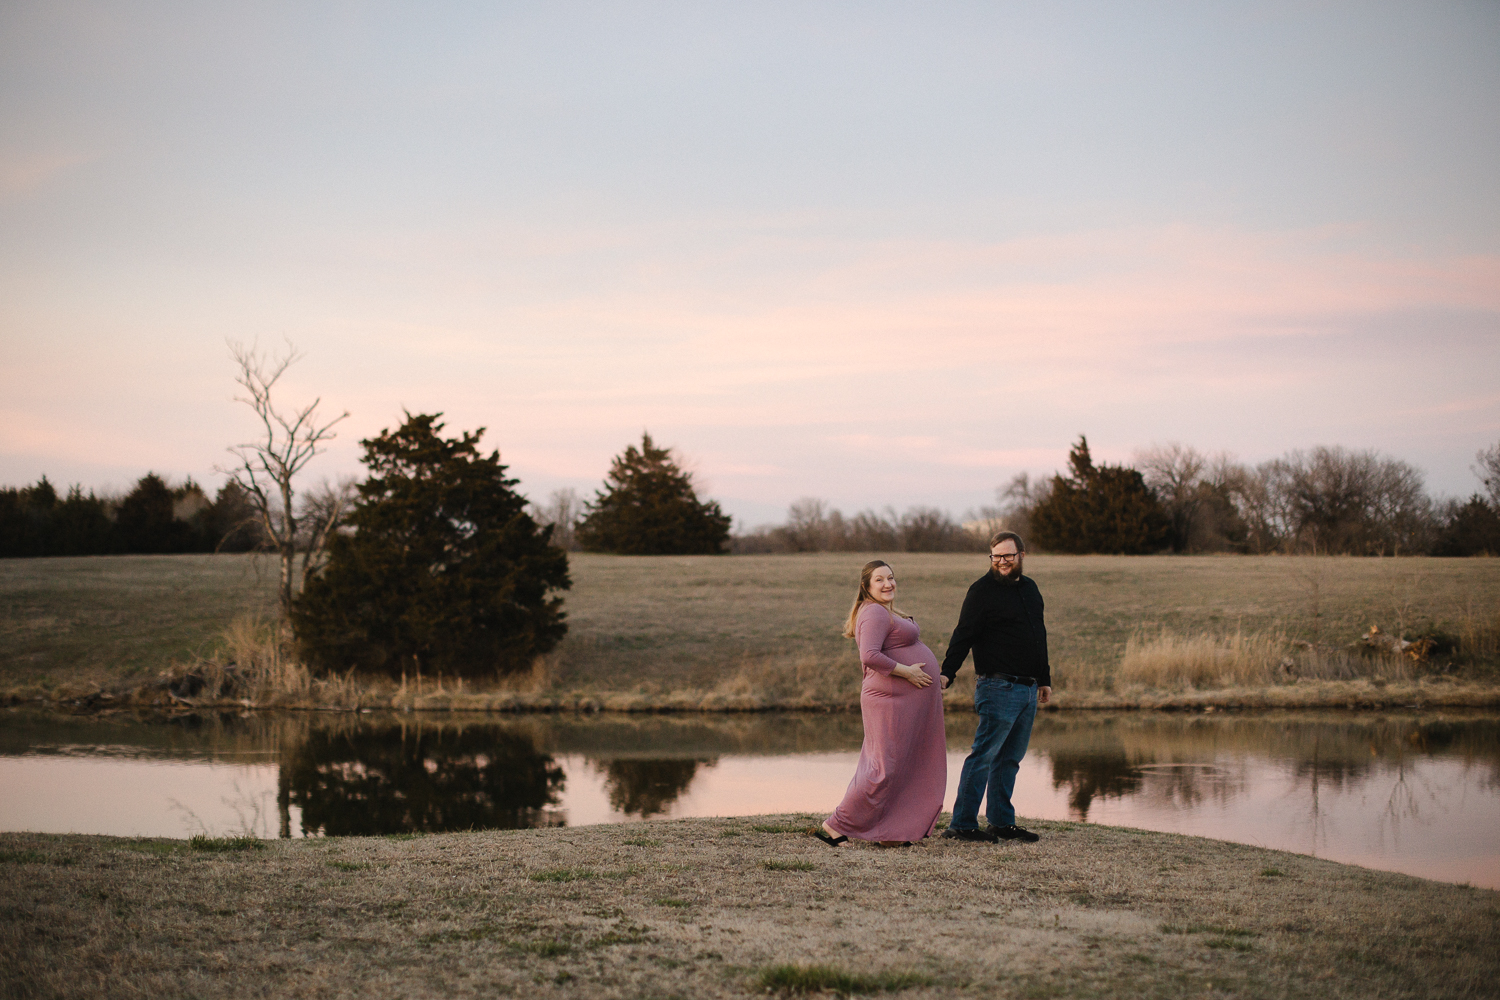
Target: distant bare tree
<point>320,512</point>
<point>1014,503</point>
<point>872,532</point>
<point>811,526</point>
<point>806,528</point>
<point>1263,497</point>
<point>287,441</point>
<point>1204,495</point>
<point>1487,468</point>
<point>1174,472</point>
<point>928,529</point>
<point>1332,500</point>
<point>562,510</point>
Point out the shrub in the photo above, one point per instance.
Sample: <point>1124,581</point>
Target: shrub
<point>445,571</point>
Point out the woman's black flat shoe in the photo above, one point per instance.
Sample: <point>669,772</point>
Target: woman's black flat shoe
<point>830,841</point>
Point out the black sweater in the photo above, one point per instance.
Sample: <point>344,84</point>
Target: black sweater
<point>1002,623</point>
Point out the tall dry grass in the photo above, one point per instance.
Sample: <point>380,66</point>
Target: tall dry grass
<point>1477,632</point>
<point>1170,660</point>
<point>256,661</point>
<point>795,680</point>
<point>1173,661</point>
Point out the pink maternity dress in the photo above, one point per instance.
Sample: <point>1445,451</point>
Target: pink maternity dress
<point>898,787</point>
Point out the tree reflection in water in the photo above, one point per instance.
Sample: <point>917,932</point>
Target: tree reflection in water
<point>398,779</point>
<point>647,788</point>
<point>1093,775</point>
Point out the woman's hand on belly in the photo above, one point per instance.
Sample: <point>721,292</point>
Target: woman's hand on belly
<point>913,674</point>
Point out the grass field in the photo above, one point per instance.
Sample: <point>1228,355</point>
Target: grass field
<point>726,908</point>
<point>103,620</point>
<point>657,625</point>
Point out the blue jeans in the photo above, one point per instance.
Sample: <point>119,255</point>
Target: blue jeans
<point>1005,711</point>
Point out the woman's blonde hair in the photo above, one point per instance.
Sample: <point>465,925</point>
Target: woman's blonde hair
<point>863,597</point>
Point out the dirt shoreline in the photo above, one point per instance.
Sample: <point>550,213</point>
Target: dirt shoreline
<point>726,908</point>
<point>1360,694</point>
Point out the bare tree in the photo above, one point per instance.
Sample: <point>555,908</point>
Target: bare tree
<point>1013,505</point>
<point>1487,468</point>
<point>1332,500</point>
<point>928,529</point>
<point>1174,472</point>
<point>806,527</point>
<point>563,510</point>
<point>320,513</point>
<point>286,443</point>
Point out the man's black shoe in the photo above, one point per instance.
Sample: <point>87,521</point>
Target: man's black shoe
<point>973,836</point>
<point>1012,832</point>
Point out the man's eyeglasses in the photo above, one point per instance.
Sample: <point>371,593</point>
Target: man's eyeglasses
<point>1005,557</point>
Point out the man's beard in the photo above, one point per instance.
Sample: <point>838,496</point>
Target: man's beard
<point>1011,572</point>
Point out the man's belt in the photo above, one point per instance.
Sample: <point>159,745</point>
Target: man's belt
<point>1023,681</point>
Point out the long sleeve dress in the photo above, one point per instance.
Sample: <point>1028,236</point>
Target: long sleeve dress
<point>898,786</point>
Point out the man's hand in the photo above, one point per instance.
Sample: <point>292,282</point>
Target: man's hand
<point>947,682</point>
<point>1043,695</point>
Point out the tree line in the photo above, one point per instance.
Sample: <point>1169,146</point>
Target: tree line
<point>812,526</point>
<point>1327,500</point>
<point>153,517</point>
<point>1174,498</point>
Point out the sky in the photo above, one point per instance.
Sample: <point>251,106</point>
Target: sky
<point>876,253</point>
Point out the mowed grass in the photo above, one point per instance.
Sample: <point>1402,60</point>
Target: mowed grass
<point>674,908</point>
<point>661,624</point>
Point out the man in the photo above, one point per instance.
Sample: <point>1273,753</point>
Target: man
<point>1002,623</point>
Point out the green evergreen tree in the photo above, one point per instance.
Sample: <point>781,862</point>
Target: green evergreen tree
<point>145,522</point>
<point>442,571</point>
<point>81,525</point>
<point>1106,508</point>
<point>233,522</point>
<point>26,519</point>
<point>1473,529</point>
<point>648,507</point>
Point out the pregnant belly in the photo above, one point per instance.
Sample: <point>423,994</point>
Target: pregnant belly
<point>889,684</point>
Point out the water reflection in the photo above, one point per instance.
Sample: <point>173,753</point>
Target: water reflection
<point>1415,793</point>
<point>396,779</point>
<point>646,788</point>
<point>1090,775</point>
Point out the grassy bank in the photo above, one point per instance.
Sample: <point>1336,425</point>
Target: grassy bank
<point>749,631</point>
<point>726,908</point>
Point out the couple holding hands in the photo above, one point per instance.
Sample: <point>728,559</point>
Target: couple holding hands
<point>898,786</point>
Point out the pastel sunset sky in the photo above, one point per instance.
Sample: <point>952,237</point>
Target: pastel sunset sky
<point>877,253</point>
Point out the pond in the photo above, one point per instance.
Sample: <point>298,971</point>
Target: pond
<point>1408,792</point>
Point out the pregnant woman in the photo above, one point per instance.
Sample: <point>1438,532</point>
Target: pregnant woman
<point>898,786</point>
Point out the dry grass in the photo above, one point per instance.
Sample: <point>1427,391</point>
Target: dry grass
<point>1168,660</point>
<point>1478,632</point>
<point>1172,661</point>
<point>1175,662</point>
<point>255,662</point>
<point>753,631</point>
<point>679,909</point>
